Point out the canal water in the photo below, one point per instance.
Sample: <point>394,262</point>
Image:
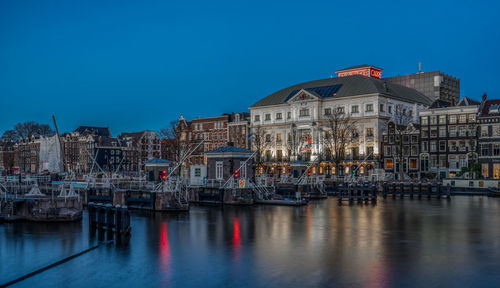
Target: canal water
<point>395,243</point>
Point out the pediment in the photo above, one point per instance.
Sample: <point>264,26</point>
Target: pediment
<point>302,95</point>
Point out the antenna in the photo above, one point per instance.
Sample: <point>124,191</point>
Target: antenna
<point>419,67</point>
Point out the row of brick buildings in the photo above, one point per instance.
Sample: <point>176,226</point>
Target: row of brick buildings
<point>86,149</point>
<point>128,151</point>
<point>449,140</point>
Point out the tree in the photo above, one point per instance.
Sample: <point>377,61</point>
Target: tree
<point>339,130</point>
<point>402,118</point>
<point>261,141</point>
<point>30,128</point>
<point>9,136</point>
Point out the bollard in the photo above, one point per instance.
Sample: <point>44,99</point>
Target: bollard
<point>448,191</point>
<point>419,190</point>
<point>384,190</point>
<point>411,190</point>
<point>429,190</point>
<point>402,187</point>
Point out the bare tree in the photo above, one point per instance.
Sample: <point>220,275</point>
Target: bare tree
<point>402,118</point>
<point>338,131</point>
<point>27,129</point>
<point>9,136</point>
<point>261,142</point>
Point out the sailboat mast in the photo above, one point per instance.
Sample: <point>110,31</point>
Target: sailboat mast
<point>60,143</point>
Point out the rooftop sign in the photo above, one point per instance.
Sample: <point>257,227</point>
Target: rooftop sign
<point>364,70</point>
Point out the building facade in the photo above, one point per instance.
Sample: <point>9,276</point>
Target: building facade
<point>489,138</point>
<point>448,138</point>
<point>435,85</point>
<point>296,118</point>
<point>401,143</point>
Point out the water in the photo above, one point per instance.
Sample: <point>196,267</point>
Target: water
<point>396,243</point>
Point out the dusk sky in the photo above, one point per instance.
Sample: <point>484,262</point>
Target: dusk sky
<point>136,65</point>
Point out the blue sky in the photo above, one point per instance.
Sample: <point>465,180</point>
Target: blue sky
<point>134,65</point>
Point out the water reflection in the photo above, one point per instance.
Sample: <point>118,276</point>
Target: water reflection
<point>396,243</point>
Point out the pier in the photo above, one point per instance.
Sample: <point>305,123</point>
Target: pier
<point>419,190</point>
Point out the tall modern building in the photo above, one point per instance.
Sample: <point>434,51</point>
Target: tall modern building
<point>435,85</point>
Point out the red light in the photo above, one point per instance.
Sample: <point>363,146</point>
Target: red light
<point>163,174</point>
<point>308,172</point>
<point>236,174</point>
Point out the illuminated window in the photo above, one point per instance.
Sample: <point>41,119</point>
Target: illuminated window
<point>453,119</point>
<point>388,164</point>
<point>462,118</point>
<point>424,120</point>
<point>413,163</point>
<point>496,171</point>
<point>485,173</point>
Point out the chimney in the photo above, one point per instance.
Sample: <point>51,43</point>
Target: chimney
<point>484,97</point>
<point>385,87</point>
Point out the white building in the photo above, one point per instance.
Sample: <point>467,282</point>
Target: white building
<point>299,113</point>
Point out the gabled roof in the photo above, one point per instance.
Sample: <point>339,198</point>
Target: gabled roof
<point>97,131</point>
<point>466,101</point>
<point>348,86</point>
<point>229,149</point>
<point>491,108</point>
<point>440,104</point>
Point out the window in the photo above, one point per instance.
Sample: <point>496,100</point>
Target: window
<point>461,145</point>
<point>381,108</point>
<point>388,164</point>
<point>442,161</point>
<point>414,150</point>
<point>289,115</point>
<point>387,150</point>
<point>433,120</point>
<point>462,162</point>
<point>424,162</point>
<point>355,133</point>
<point>472,118</point>
<point>279,116</point>
<point>453,131</point>
<point>413,163</point>
<point>289,137</point>
<point>433,146</point>
<point>267,117</point>
<point>218,170</point>
<point>369,108</point>
<point>462,118</point>
<point>340,110</point>
<point>197,172</point>
<point>442,145</point>
<point>484,149</point>
<point>496,171</point>
<point>485,173</point>
<point>484,131</point>
<point>268,138</point>
<point>496,149</point>
<point>369,132</point>
<point>414,139</point>
<point>304,112</point>
<point>453,146</point>
<point>328,111</point>
<point>425,146</point>
<point>442,131</point>
<point>389,108</point>
<point>354,109</point>
<point>257,118</point>
<point>462,131</point>
<point>442,119</point>
<point>434,132</point>
<point>496,130</point>
<point>278,137</point>
<point>453,119</point>
<point>425,132</point>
